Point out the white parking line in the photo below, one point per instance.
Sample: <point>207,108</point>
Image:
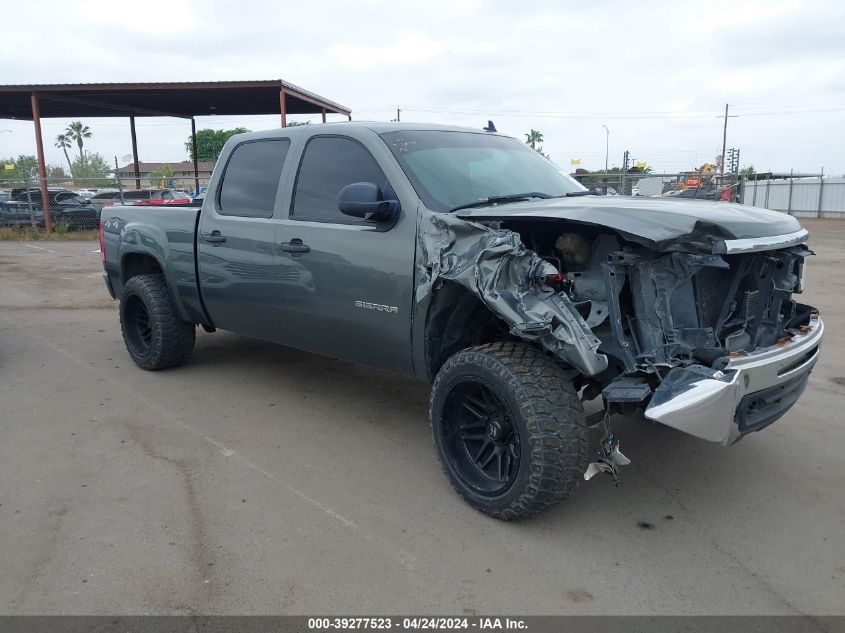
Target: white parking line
<point>39,248</point>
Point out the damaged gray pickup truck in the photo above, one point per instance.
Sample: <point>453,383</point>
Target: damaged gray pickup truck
<point>466,259</point>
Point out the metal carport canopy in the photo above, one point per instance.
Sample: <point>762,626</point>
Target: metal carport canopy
<point>186,100</point>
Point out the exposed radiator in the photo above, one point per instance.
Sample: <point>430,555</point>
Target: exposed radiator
<point>711,285</point>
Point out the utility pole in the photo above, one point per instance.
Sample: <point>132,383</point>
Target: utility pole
<point>397,113</point>
<point>606,147</point>
<point>724,139</point>
<point>622,178</point>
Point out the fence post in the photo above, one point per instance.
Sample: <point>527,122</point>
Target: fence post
<point>29,201</point>
<point>789,202</point>
<point>119,181</point>
<point>821,188</point>
<point>766,200</point>
<point>754,199</point>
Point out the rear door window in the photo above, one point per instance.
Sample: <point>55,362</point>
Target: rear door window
<point>251,179</point>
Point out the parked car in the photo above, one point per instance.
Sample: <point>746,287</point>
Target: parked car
<point>66,208</point>
<point>86,193</point>
<point>466,259</point>
<point>147,197</point>
<point>101,198</point>
<point>163,201</point>
<point>5,196</point>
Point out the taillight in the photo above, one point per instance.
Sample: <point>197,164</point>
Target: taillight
<point>103,242</point>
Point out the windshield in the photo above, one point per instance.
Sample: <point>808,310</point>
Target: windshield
<point>449,169</point>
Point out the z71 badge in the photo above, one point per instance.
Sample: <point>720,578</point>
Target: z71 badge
<point>367,305</point>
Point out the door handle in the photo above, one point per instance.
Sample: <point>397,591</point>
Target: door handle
<point>214,237</point>
<point>294,246</point>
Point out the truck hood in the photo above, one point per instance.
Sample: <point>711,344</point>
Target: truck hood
<point>665,224</point>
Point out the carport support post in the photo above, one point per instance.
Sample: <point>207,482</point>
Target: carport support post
<point>135,166</point>
<point>324,115</point>
<point>283,107</point>
<point>42,167</point>
<point>194,155</point>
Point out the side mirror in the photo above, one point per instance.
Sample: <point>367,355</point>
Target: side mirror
<point>363,200</point>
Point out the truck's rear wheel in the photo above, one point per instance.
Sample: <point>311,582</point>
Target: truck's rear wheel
<point>509,429</point>
<point>154,334</point>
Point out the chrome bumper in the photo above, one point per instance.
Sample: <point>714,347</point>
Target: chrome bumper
<point>751,392</point>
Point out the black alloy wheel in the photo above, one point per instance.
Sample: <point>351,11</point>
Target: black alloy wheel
<point>138,330</point>
<point>483,441</point>
<point>509,429</point>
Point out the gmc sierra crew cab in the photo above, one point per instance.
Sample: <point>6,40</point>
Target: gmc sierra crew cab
<point>467,259</point>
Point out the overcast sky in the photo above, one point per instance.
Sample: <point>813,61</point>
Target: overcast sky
<point>657,74</point>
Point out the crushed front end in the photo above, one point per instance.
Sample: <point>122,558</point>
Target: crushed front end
<point>713,344</point>
<point>704,333</point>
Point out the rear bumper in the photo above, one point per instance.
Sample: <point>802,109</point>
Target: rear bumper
<point>750,393</point>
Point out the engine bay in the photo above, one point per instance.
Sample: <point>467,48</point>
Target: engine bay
<point>653,310</point>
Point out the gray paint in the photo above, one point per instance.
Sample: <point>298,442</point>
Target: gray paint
<point>667,224</point>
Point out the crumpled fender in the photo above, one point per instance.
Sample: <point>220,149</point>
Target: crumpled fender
<point>507,277</point>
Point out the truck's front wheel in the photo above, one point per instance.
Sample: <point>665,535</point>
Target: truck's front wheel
<point>154,334</point>
<point>509,429</point>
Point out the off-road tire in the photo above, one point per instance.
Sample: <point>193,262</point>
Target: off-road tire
<point>169,339</point>
<point>554,440</point>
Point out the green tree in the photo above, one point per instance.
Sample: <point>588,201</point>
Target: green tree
<point>63,142</point>
<point>56,171</point>
<point>19,169</point>
<point>159,176</point>
<point>27,166</point>
<point>295,123</point>
<point>210,143</point>
<point>747,171</point>
<point>78,132</point>
<point>24,167</point>
<point>92,170</point>
<point>534,139</point>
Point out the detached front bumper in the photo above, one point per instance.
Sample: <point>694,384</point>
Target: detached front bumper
<point>750,393</point>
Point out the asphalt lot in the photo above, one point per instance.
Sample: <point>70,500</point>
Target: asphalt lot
<point>260,480</point>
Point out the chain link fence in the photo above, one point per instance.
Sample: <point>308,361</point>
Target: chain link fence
<point>75,204</point>
<point>805,195</point>
<point>681,184</point>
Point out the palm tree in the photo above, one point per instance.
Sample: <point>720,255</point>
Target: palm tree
<point>77,131</point>
<point>534,138</point>
<point>63,143</point>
